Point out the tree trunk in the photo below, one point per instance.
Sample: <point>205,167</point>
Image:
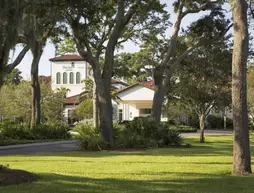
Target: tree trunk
<point>241,150</point>
<point>105,107</point>
<point>105,110</point>
<point>202,128</point>
<point>36,92</point>
<point>225,118</point>
<point>161,88</point>
<point>158,99</point>
<point>95,107</point>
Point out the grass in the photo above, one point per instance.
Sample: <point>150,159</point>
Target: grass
<point>202,168</point>
<point>16,141</point>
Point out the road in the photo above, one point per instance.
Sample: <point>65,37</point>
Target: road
<point>71,145</point>
<point>60,146</point>
<point>208,132</point>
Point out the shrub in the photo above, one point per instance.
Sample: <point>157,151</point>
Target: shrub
<point>251,126</point>
<point>90,137</point>
<point>21,131</point>
<point>54,130</point>
<point>193,121</point>
<point>145,132</point>
<point>217,122</point>
<point>182,128</point>
<point>13,130</point>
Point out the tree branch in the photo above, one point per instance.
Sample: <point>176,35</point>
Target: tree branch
<point>19,58</point>
<point>203,7</point>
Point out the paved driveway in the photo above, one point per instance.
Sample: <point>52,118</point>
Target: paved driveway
<point>208,132</point>
<point>60,146</point>
<point>71,145</point>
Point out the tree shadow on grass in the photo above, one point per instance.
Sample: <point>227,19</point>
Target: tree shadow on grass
<point>183,183</point>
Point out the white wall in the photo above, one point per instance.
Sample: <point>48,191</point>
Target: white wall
<point>137,93</point>
<point>65,66</point>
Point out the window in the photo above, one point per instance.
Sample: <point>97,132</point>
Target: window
<point>71,78</point>
<point>78,78</point>
<point>58,78</point>
<point>146,111</point>
<point>64,78</point>
<point>120,114</point>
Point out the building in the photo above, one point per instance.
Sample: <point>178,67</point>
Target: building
<point>68,71</point>
<point>136,101</point>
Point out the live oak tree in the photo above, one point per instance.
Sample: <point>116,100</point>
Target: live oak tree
<point>241,150</point>
<point>16,102</point>
<point>98,28</point>
<point>11,13</point>
<point>38,24</point>
<point>204,81</point>
<point>163,71</point>
<point>250,92</point>
<point>134,67</point>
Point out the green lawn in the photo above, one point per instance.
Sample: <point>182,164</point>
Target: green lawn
<point>200,169</point>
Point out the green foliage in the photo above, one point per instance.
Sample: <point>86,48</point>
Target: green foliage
<point>145,132</point>
<point>19,96</point>
<point>182,128</point>
<point>90,137</point>
<point>85,109</point>
<point>15,101</point>
<point>20,131</point>
<point>14,78</point>
<point>67,46</point>
<point>54,130</point>
<point>141,132</point>
<point>51,104</point>
<point>217,122</point>
<point>13,130</point>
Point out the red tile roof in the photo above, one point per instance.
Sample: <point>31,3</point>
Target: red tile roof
<point>68,57</point>
<point>148,84</point>
<point>115,81</point>
<point>45,79</point>
<point>72,100</point>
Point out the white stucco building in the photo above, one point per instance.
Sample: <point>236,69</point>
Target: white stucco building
<point>136,101</point>
<point>68,71</point>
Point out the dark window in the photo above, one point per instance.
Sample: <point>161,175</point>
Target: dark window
<point>120,114</point>
<point>145,111</point>
<point>64,78</point>
<point>78,78</point>
<point>71,78</point>
<point>58,78</point>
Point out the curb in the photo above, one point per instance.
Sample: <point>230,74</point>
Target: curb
<point>37,144</point>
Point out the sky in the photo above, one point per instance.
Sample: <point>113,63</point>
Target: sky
<point>49,50</point>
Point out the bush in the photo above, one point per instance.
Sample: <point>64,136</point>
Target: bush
<point>251,126</point>
<point>52,130</point>
<point>217,122</point>
<point>145,132</point>
<point>193,121</point>
<point>20,131</point>
<point>182,128</point>
<point>12,130</point>
<point>90,137</point>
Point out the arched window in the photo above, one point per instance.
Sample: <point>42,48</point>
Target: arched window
<point>58,78</point>
<point>78,78</point>
<point>64,78</point>
<point>71,78</point>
